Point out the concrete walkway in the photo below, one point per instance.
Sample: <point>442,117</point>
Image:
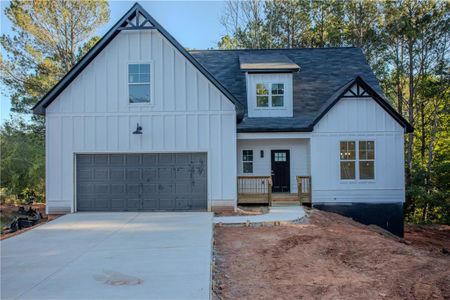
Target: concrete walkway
<point>275,214</point>
<point>123,255</point>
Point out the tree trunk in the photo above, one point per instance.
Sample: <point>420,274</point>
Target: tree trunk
<point>409,157</point>
<point>424,213</point>
<point>422,131</point>
<point>399,54</point>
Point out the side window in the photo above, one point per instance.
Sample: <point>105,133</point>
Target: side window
<point>139,83</point>
<point>247,161</point>
<point>366,160</point>
<point>348,158</point>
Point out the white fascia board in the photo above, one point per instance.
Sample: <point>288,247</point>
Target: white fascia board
<point>273,135</point>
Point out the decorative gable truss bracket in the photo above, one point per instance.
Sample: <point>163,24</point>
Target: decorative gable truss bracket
<point>356,91</point>
<point>137,21</point>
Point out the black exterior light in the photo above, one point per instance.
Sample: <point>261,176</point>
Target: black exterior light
<point>138,129</point>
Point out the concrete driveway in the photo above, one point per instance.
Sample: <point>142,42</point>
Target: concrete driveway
<point>111,255</point>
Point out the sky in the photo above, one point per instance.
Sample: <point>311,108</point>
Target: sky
<point>195,24</point>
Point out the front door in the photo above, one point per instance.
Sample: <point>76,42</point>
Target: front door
<point>280,171</point>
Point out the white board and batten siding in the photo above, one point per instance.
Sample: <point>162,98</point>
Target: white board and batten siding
<point>93,115</point>
<point>299,157</point>
<point>354,119</point>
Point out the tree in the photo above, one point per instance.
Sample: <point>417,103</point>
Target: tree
<point>228,42</point>
<point>45,45</point>
<point>328,19</point>
<point>244,20</point>
<point>22,161</point>
<point>288,23</point>
<point>48,38</point>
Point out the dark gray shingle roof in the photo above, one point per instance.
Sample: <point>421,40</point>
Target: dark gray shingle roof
<point>323,72</point>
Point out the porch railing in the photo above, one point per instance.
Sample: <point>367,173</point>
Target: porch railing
<point>304,189</point>
<point>254,190</point>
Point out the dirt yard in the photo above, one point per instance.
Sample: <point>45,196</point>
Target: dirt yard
<point>330,257</point>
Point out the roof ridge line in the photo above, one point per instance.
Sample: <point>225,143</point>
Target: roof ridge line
<point>272,49</point>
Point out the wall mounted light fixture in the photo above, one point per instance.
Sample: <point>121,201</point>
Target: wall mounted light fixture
<point>138,129</point>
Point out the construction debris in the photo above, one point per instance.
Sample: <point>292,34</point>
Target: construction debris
<point>25,218</point>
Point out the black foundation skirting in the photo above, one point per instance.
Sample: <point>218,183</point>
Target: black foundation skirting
<point>386,215</point>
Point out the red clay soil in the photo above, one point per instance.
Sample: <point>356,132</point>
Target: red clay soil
<point>429,237</point>
<point>327,257</point>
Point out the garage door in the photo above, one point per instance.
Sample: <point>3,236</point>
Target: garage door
<point>132,182</point>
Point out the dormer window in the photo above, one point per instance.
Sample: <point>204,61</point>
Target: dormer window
<point>269,84</point>
<point>277,95</point>
<point>269,95</point>
<point>262,95</point>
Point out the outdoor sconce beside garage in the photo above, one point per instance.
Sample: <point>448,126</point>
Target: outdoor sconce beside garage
<point>138,129</point>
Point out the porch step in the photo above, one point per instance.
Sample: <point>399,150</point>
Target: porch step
<point>285,203</point>
<point>284,197</point>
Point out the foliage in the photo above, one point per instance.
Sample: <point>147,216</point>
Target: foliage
<point>49,37</point>
<point>22,161</point>
<point>407,44</point>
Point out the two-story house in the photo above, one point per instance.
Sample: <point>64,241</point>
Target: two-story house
<point>142,124</point>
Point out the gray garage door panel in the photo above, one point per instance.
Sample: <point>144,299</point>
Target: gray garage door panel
<point>121,182</point>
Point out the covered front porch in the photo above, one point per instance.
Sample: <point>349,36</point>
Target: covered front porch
<point>273,168</point>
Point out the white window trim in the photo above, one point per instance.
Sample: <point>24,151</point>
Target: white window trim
<point>248,161</point>
<point>152,83</point>
<point>357,178</point>
<point>270,96</point>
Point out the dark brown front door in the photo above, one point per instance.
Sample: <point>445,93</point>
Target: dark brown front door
<point>280,171</point>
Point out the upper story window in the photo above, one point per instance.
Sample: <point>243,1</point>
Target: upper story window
<point>362,153</point>
<point>269,95</point>
<point>262,95</point>
<point>277,94</point>
<point>139,83</point>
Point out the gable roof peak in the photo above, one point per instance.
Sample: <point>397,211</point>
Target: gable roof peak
<point>124,24</point>
<point>368,91</point>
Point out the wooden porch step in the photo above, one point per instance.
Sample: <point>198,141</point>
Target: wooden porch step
<point>284,197</point>
<point>284,203</point>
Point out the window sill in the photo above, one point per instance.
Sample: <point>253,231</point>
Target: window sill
<point>141,104</point>
<point>271,108</point>
<point>353,181</point>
